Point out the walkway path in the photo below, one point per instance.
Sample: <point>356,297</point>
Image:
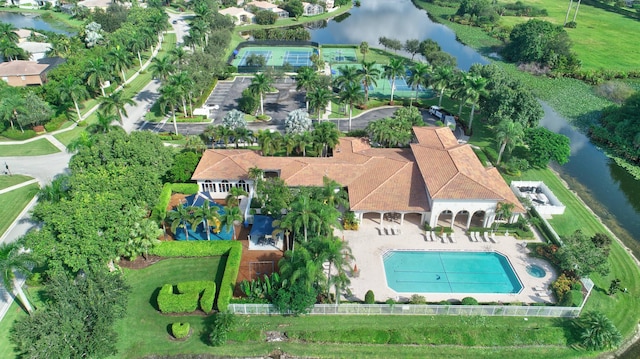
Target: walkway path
<point>19,185</point>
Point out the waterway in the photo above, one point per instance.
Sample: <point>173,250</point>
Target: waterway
<point>33,21</point>
<point>395,19</point>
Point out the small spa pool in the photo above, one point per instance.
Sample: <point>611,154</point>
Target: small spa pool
<point>536,271</point>
<point>450,272</point>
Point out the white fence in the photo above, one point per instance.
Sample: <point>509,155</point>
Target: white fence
<point>418,309</point>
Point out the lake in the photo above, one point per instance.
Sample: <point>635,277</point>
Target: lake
<point>395,19</point>
<point>32,21</point>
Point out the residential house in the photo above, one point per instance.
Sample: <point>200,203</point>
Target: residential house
<point>311,9</point>
<point>264,5</point>
<point>23,73</point>
<point>36,50</point>
<point>24,34</point>
<point>240,16</point>
<point>436,181</point>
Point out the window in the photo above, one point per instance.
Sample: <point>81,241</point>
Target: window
<point>208,186</point>
<point>244,185</point>
<point>225,186</point>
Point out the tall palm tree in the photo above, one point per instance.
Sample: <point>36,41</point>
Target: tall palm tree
<point>348,75</point>
<point>394,69</point>
<point>301,217</point>
<point>508,134</point>
<point>10,106</point>
<point>351,95</point>
<point>177,55</point>
<point>71,88</point>
<point>115,103</point>
<point>419,76</point>
<point>162,67</point>
<point>303,139</point>
<point>300,266</point>
<point>9,50</point>
<point>338,254</point>
<point>474,89</point>
<point>306,80</point>
<point>97,72</point>
<point>169,98</point>
<point>319,98</point>
<point>261,84</point>
<point>327,134</point>
<point>333,194</point>
<point>184,85</point>
<point>233,196</point>
<point>369,74</point>
<point>137,44</point>
<point>120,60</point>
<point>229,219</point>
<point>84,140</point>
<point>442,78</point>
<point>364,49</point>
<point>56,190</point>
<point>14,259</point>
<point>597,332</point>
<point>289,142</point>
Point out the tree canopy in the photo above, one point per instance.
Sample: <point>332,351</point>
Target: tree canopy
<point>544,146</point>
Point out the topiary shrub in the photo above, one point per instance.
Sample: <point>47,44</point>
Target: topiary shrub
<point>444,302</point>
<point>186,297</point>
<point>369,297</point>
<point>572,298</point>
<point>180,330</point>
<point>469,301</point>
<point>15,134</point>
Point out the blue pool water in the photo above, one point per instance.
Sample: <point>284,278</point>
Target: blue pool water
<point>450,272</point>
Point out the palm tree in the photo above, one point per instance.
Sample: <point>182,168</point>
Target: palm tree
<point>301,217</point>
<point>71,88</point>
<point>229,219</point>
<point>9,50</point>
<point>137,44</point>
<point>419,76</point>
<point>261,84</point>
<point>348,75</point>
<point>56,190</point>
<point>120,60</point>
<point>242,134</point>
<point>394,69</point>
<point>179,217</point>
<point>364,49</point>
<point>233,196</point>
<point>474,89</point>
<point>7,32</point>
<point>14,259</point>
<point>162,67</point>
<point>303,139</point>
<point>508,133</point>
<point>97,73</point>
<point>504,210</point>
<point>115,103</point>
<point>10,106</point>
<point>369,75</point>
<point>84,140</point>
<point>177,55</point>
<point>327,134</point>
<point>300,266</point>
<point>169,98</point>
<point>333,194</point>
<point>103,123</point>
<point>256,173</point>
<point>597,332</point>
<point>338,254</point>
<point>183,84</point>
<point>306,80</point>
<point>319,99</point>
<point>442,78</point>
<point>351,95</point>
<point>289,142</point>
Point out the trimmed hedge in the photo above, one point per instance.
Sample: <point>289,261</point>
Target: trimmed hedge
<point>187,298</point>
<point>232,249</point>
<point>15,134</point>
<point>159,211</point>
<point>469,301</point>
<point>572,298</point>
<point>184,188</point>
<point>180,330</point>
<point>369,297</point>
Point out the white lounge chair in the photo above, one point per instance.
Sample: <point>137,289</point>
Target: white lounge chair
<point>492,237</point>
<point>476,237</point>
<point>485,236</point>
<point>471,239</point>
<point>434,237</point>
<point>451,239</point>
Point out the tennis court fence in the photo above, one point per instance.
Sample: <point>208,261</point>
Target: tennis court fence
<point>418,309</point>
<point>272,43</point>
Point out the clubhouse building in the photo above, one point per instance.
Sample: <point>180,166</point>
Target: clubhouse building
<point>436,180</point>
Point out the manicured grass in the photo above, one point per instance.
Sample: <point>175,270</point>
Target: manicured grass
<point>8,181</point>
<point>292,21</point>
<point>13,202</point>
<point>68,136</point>
<point>34,148</point>
<point>144,330</point>
<point>14,313</point>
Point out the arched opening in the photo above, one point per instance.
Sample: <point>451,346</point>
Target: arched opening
<point>477,220</point>
<point>225,186</point>
<point>461,219</point>
<point>244,185</point>
<point>445,218</point>
<point>208,186</point>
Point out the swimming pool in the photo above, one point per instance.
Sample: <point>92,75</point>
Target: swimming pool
<point>450,272</point>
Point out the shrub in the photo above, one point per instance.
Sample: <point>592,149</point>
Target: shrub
<point>187,298</point>
<point>185,188</point>
<point>576,286</point>
<point>180,330</point>
<point>369,297</point>
<point>417,299</point>
<point>232,249</point>
<point>562,285</point>
<point>55,123</point>
<point>183,166</point>
<point>357,133</point>
<point>572,298</point>
<point>222,324</point>
<point>444,302</point>
<point>571,24</point>
<point>159,211</point>
<point>390,301</point>
<point>615,91</point>
<point>249,102</point>
<point>469,301</point>
<point>18,135</point>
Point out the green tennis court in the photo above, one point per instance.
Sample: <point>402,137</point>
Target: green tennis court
<point>275,55</point>
<point>339,55</point>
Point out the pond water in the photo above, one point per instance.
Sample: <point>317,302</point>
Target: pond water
<point>395,19</point>
<point>32,21</point>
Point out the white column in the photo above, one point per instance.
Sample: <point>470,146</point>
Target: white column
<point>453,218</point>
<point>401,218</point>
<point>381,219</point>
<point>469,217</point>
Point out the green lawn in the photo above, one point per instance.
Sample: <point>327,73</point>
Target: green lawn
<point>34,148</point>
<point>144,330</point>
<point>292,21</point>
<point>8,181</point>
<point>13,202</point>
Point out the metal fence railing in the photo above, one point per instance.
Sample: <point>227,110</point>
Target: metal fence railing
<point>417,309</point>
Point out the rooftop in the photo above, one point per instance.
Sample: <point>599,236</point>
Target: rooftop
<point>21,68</point>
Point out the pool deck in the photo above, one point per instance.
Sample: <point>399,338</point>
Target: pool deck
<point>368,245</point>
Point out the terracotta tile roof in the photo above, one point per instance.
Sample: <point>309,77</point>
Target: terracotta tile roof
<point>378,179</point>
<point>21,68</point>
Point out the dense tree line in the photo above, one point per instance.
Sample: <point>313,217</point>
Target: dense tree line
<point>297,33</point>
<point>619,129</point>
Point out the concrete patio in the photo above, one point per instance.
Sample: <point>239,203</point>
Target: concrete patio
<point>370,242</point>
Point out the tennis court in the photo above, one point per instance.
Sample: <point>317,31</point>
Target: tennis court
<point>402,85</point>
<point>339,55</point>
<point>275,56</point>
